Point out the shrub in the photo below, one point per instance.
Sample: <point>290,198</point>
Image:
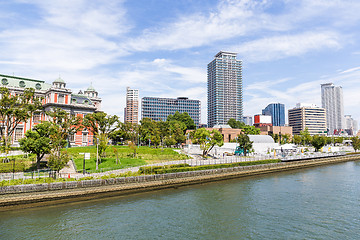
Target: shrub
<point>155,169</point>
<point>9,167</point>
<point>187,167</point>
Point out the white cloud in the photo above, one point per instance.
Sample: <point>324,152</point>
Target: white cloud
<point>66,35</point>
<point>228,20</point>
<point>278,47</point>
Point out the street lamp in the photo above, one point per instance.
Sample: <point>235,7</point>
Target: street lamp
<point>97,153</point>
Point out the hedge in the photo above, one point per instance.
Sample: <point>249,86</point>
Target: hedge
<point>187,167</point>
<point>154,169</point>
<point>9,167</point>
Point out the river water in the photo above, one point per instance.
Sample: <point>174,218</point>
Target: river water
<point>313,203</point>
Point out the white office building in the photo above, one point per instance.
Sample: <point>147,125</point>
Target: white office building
<point>332,101</point>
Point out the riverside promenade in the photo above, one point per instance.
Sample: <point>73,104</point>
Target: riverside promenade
<point>21,196</point>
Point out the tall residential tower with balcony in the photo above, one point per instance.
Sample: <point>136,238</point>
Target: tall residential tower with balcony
<point>225,98</point>
<point>131,111</point>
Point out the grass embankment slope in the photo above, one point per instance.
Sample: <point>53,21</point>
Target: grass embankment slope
<point>145,155</point>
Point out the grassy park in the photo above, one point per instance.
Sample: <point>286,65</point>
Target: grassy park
<point>117,157</point>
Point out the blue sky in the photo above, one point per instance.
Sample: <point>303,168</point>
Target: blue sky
<point>162,47</point>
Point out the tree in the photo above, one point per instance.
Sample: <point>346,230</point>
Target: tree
<point>37,141</point>
<point>15,109</point>
<point>58,160</point>
<point>66,123</point>
<point>305,136</point>
<point>182,117</point>
<point>244,142</point>
<point>286,138</point>
<point>318,142</point>
<point>236,124</point>
<point>275,137</point>
<point>296,139</point>
<point>177,131</point>
<point>131,133</point>
<point>149,131</point>
<point>101,125</point>
<point>207,139</point>
<point>355,143</point>
<point>251,130</point>
<point>247,129</point>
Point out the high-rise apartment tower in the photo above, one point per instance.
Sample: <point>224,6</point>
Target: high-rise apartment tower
<point>332,101</point>
<point>131,111</point>
<point>225,98</point>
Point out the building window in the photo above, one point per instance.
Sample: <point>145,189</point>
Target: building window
<point>36,117</point>
<point>72,137</point>
<point>84,137</point>
<point>61,98</point>
<point>18,134</point>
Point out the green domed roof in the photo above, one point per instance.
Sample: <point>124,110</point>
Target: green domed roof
<point>91,89</point>
<point>59,80</point>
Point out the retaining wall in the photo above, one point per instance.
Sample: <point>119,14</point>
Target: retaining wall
<point>148,178</point>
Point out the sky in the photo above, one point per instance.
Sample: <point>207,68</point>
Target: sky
<point>162,47</point>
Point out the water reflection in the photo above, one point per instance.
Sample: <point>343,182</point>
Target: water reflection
<point>314,203</point>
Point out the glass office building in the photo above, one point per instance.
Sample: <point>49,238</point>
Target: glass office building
<point>277,113</point>
<point>225,98</point>
<point>160,108</point>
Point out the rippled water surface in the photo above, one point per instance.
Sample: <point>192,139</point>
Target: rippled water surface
<point>314,203</point>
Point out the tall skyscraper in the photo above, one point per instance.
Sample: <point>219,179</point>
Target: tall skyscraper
<point>160,108</point>
<point>131,111</point>
<point>332,101</point>
<point>225,98</point>
<point>277,113</point>
<point>308,116</point>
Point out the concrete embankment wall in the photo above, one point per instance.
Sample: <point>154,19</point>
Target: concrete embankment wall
<point>88,189</point>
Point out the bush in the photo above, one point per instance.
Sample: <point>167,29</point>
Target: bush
<point>187,167</point>
<point>9,167</point>
<point>155,169</point>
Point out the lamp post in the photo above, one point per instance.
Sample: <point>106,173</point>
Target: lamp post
<point>97,153</point>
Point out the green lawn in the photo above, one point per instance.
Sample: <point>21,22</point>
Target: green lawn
<point>145,155</point>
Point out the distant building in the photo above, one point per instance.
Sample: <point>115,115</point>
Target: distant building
<point>202,125</point>
<point>54,95</point>
<point>351,125</point>
<point>262,120</point>
<point>279,130</point>
<point>277,113</point>
<point>160,108</point>
<point>225,97</point>
<point>248,120</point>
<point>311,117</point>
<point>332,101</point>
<point>131,111</point>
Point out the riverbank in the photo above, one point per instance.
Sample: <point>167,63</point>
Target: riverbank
<point>118,187</point>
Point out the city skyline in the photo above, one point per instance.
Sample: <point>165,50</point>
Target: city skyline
<point>162,48</point>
